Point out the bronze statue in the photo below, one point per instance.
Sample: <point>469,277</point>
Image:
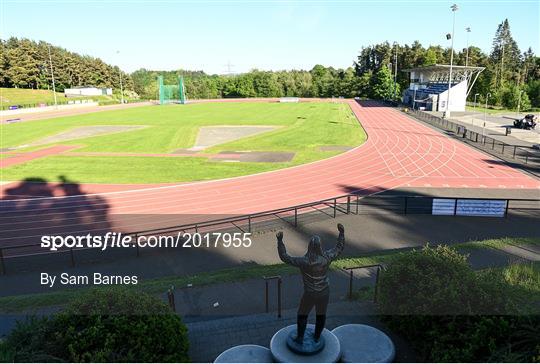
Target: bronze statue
<point>314,267</point>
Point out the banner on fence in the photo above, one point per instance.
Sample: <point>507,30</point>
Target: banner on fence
<point>494,208</point>
<point>443,206</point>
<point>466,207</point>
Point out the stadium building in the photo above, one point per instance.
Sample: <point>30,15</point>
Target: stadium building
<point>428,89</point>
<point>87,91</point>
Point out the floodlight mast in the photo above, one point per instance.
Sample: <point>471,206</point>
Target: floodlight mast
<point>485,117</point>
<point>519,103</point>
<point>468,30</point>
<point>121,87</point>
<point>454,9</point>
<point>474,108</point>
<point>52,77</point>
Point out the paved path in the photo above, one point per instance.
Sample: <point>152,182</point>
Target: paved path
<point>366,233</point>
<point>495,127</point>
<point>208,339</point>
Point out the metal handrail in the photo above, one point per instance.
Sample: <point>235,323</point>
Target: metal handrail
<point>266,284</point>
<point>295,208</point>
<point>455,126</point>
<point>170,298</point>
<point>332,203</point>
<point>351,269</point>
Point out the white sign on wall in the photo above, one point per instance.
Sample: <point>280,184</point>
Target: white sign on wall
<point>495,208</point>
<point>443,206</point>
<point>464,207</point>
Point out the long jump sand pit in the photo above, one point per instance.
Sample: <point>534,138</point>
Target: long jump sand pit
<point>214,135</point>
<point>85,132</point>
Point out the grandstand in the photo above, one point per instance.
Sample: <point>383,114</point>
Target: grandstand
<point>428,89</point>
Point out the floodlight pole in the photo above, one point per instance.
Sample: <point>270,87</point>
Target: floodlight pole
<point>52,77</point>
<point>485,115</point>
<point>454,9</point>
<point>121,87</point>
<point>468,29</point>
<point>474,109</point>
<point>519,102</point>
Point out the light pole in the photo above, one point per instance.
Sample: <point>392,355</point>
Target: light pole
<point>485,116</point>
<point>121,88</point>
<point>395,70</point>
<point>468,29</point>
<point>454,9</point>
<point>519,102</point>
<point>474,108</point>
<point>52,77</point>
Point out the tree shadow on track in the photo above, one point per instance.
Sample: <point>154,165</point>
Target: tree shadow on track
<point>371,103</point>
<point>532,166</point>
<point>34,208</point>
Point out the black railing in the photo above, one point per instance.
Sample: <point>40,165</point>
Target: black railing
<point>520,153</point>
<point>351,276</point>
<point>344,204</point>
<point>170,298</point>
<point>266,293</point>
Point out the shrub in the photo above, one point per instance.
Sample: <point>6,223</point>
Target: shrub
<point>448,312</point>
<point>105,325</point>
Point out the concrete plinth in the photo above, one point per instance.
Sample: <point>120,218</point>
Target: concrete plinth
<point>282,354</point>
<point>364,344</point>
<point>245,354</point>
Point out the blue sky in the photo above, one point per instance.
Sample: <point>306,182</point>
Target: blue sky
<point>206,35</point>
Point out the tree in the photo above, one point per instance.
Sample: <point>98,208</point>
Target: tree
<point>533,92</point>
<point>513,96</point>
<point>430,57</point>
<point>383,85</point>
<point>25,63</point>
<point>505,55</point>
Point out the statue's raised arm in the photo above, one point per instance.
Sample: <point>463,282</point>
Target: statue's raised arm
<point>282,251</point>
<point>338,249</point>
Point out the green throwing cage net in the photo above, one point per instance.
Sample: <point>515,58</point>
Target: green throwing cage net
<point>172,93</point>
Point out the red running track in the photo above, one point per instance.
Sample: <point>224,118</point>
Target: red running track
<point>399,152</point>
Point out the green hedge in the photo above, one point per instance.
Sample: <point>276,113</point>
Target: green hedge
<point>106,325</point>
<point>450,313</point>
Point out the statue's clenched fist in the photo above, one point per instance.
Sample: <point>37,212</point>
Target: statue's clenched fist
<point>279,235</point>
<point>340,228</point>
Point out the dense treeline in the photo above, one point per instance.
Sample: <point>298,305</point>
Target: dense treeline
<point>25,64</point>
<point>510,76</point>
<point>319,82</point>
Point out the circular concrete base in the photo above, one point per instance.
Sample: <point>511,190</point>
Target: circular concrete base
<point>282,354</point>
<point>308,346</point>
<point>245,354</point>
<point>364,344</point>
